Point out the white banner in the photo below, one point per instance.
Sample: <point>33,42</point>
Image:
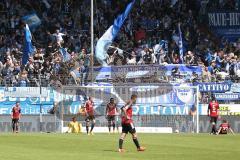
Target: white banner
<point>224,109</point>
<point>26,92</point>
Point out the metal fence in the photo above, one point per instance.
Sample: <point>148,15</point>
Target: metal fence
<point>46,80</point>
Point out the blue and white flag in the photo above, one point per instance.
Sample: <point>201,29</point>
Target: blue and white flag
<point>66,56</point>
<point>32,20</point>
<point>173,2</point>
<point>28,47</point>
<point>106,40</point>
<point>162,45</point>
<point>180,43</point>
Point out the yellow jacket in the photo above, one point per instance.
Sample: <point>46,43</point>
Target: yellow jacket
<point>74,127</point>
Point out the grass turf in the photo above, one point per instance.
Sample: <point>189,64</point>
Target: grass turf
<point>103,147</point>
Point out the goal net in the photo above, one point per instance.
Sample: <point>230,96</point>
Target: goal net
<point>160,108</point>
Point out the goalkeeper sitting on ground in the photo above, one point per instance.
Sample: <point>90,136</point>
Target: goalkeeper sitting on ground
<point>74,126</point>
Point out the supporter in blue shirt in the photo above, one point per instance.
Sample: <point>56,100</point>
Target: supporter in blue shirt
<point>212,67</point>
<point>208,57</point>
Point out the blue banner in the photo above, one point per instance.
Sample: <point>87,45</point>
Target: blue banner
<point>159,94</point>
<point>161,101</point>
<point>28,103</point>
<point>214,87</point>
<point>225,24</point>
<point>227,96</point>
<point>164,110</point>
<point>141,109</point>
<point>141,71</point>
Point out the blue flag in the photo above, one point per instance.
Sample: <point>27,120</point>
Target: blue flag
<point>32,20</point>
<point>180,43</point>
<point>164,45</point>
<point>28,47</point>
<point>66,56</point>
<point>106,40</point>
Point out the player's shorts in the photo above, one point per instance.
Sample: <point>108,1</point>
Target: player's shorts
<point>129,127</point>
<point>223,132</point>
<point>15,120</point>
<point>90,118</point>
<point>213,119</point>
<point>111,117</point>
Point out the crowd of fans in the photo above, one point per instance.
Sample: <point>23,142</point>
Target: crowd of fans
<point>149,36</point>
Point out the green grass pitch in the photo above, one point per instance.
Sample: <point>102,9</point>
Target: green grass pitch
<point>103,147</point>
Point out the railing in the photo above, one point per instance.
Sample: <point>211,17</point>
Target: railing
<point>45,80</point>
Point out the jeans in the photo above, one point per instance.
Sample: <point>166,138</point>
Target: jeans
<point>84,75</point>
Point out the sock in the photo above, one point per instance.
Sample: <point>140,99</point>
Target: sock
<point>214,129</point>
<point>120,143</point>
<point>109,127</point>
<point>13,126</point>
<point>17,127</point>
<point>92,126</point>
<point>113,127</point>
<point>135,140</point>
<point>87,128</point>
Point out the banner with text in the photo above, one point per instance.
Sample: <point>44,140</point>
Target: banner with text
<point>143,73</point>
<point>227,96</point>
<point>225,24</point>
<point>224,109</point>
<point>29,98</point>
<point>214,87</point>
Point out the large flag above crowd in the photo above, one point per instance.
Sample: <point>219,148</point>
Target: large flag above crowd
<point>28,47</point>
<point>106,40</point>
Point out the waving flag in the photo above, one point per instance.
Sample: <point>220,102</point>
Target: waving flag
<point>180,43</point>
<point>66,56</point>
<point>164,45</point>
<point>32,20</point>
<point>28,47</point>
<point>106,40</point>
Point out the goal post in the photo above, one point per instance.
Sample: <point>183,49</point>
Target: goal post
<point>158,105</point>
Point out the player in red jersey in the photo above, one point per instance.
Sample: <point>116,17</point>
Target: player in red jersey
<point>111,112</point>
<point>224,128</point>
<point>16,115</point>
<point>89,110</point>
<point>213,111</point>
<point>127,124</point>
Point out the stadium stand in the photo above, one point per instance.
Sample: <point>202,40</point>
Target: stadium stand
<point>66,24</point>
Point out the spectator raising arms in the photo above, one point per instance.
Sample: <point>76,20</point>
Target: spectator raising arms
<point>149,36</point>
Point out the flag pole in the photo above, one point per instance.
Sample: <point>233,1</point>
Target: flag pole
<point>92,42</point>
